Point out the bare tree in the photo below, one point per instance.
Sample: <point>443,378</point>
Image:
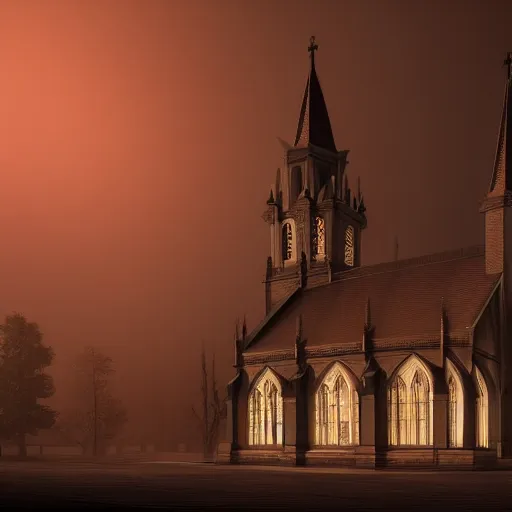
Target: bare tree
<point>212,407</point>
<point>98,416</point>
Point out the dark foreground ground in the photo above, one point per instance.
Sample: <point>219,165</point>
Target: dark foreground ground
<point>40,485</point>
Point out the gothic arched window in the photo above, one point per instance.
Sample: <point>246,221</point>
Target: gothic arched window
<point>349,246</point>
<point>455,407</point>
<point>296,183</point>
<point>318,237</point>
<point>337,410</point>
<point>410,405</point>
<point>482,411</point>
<point>288,243</point>
<point>266,411</point>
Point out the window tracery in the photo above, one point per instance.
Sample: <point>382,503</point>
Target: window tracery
<point>452,413</point>
<point>287,239</point>
<point>455,406</point>
<point>482,411</point>
<point>318,236</point>
<point>266,412</point>
<point>337,410</point>
<point>410,406</point>
<point>349,246</point>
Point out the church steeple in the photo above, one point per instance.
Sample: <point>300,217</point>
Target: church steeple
<point>496,205</point>
<point>501,181</point>
<point>314,126</point>
<point>315,219</point>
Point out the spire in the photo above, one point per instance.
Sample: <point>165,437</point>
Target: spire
<point>314,125</point>
<point>501,181</point>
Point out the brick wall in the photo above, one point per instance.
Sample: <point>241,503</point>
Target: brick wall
<point>494,220</point>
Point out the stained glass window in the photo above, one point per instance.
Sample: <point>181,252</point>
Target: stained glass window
<point>482,412</point>
<point>318,236</point>
<point>410,407</point>
<point>349,246</point>
<point>337,404</point>
<point>266,412</point>
<point>287,241</point>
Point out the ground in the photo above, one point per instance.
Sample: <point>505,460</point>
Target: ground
<point>200,486</point>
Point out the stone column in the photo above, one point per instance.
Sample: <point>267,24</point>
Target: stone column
<point>290,428</point>
<point>228,436</point>
<point>365,456</point>
<point>440,420</point>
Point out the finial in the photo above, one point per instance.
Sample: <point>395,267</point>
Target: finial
<point>508,62</point>
<point>367,314</point>
<point>303,270</point>
<point>298,328</point>
<point>244,329</point>
<point>367,328</point>
<point>312,44</point>
<point>237,332</point>
<point>300,344</point>
<point>311,49</point>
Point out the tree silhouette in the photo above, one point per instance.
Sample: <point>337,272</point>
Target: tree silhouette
<point>23,383</point>
<point>213,408</point>
<point>97,416</point>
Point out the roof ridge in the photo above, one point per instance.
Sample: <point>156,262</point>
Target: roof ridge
<point>416,261</point>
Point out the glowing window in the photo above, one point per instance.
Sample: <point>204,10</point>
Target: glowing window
<point>337,410</point>
<point>266,411</point>
<point>349,246</point>
<point>410,406</point>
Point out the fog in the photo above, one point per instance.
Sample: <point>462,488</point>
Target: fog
<point>138,142</point>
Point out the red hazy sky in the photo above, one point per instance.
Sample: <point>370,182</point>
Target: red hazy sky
<point>138,142</point>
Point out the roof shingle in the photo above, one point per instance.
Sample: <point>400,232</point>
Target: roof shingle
<point>405,301</point>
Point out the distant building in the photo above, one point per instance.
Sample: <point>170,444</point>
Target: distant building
<point>406,362</point>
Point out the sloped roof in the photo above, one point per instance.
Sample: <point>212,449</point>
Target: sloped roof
<point>405,302</point>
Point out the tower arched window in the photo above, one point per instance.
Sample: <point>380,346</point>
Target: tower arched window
<point>482,411</point>
<point>319,237</point>
<point>296,183</point>
<point>349,246</point>
<point>337,410</point>
<point>410,405</point>
<point>288,241</point>
<point>455,407</point>
<point>266,411</point>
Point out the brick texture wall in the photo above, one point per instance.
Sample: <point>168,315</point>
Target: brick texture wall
<point>494,243</point>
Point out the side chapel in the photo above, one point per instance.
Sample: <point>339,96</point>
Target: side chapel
<point>400,363</point>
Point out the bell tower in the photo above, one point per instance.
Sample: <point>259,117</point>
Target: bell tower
<point>315,219</point>
<point>497,208</point>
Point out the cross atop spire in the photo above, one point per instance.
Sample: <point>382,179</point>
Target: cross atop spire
<point>314,126</point>
<point>313,47</point>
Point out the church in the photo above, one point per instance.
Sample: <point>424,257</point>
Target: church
<point>404,363</point>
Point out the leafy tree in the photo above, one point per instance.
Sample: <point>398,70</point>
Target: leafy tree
<point>98,416</point>
<point>23,383</point>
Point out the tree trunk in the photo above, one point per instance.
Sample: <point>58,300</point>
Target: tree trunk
<point>22,445</point>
